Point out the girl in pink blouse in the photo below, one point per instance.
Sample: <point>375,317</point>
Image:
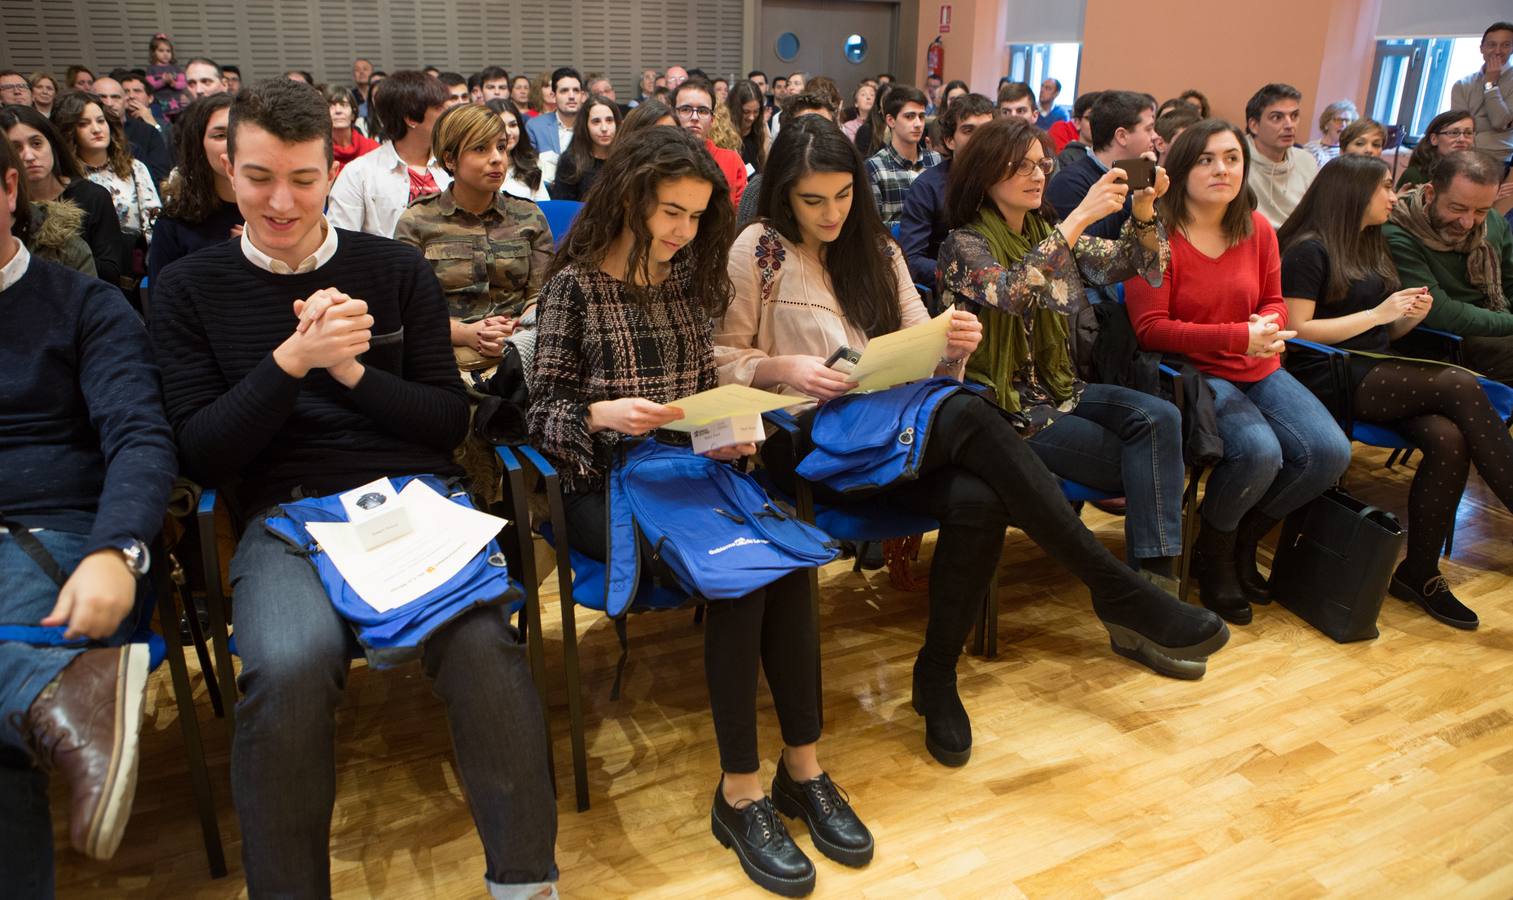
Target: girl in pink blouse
<point>818,272</point>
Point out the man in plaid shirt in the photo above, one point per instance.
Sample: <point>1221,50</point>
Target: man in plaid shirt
<point>893,168</point>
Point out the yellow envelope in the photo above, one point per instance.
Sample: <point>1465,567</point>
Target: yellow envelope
<point>725,401</point>
<point>906,355</point>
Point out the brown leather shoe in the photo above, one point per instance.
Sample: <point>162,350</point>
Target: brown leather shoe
<point>85,725</point>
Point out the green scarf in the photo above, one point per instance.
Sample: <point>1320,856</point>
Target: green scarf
<point>1005,347</point>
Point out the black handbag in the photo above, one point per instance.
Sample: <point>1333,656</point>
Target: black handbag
<point>1334,559</point>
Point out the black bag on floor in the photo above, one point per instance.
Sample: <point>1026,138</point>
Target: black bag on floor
<point>1334,559</point>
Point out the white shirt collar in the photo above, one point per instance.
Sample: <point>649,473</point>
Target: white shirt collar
<point>320,257</point>
<point>16,268</point>
<point>393,162</point>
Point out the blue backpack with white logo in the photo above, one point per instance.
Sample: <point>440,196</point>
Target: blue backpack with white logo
<point>714,527</point>
<point>863,442</point>
<point>396,636</point>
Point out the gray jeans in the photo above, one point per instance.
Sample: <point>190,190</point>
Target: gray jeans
<point>295,653</point>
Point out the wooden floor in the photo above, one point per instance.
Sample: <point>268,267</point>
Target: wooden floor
<point>1296,768</point>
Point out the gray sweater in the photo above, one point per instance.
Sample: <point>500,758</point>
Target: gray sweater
<point>1492,109</point>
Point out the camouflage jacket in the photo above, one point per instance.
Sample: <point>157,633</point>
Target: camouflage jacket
<point>488,265</point>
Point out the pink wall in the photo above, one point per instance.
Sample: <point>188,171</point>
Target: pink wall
<point>975,51</point>
<point>1323,47</point>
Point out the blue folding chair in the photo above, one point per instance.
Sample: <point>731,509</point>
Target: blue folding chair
<point>559,216</point>
<point>1375,435</point>
<point>580,582</point>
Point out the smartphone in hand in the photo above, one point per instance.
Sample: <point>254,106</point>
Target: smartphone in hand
<point>843,360</point>
<point>1141,172</point>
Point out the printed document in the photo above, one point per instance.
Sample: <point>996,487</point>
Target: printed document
<point>903,356</point>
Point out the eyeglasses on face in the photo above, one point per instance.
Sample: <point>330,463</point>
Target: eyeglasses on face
<point>689,112</point>
<point>1026,166</point>
<point>1458,133</point>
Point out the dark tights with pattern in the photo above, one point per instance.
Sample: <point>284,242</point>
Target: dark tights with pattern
<point>1445,413</point>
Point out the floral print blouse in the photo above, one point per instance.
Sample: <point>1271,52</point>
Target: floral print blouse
<point>135,198</point>
<point>1053,275</point>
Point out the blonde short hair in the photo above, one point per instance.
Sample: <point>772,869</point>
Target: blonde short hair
<point>463,128</point>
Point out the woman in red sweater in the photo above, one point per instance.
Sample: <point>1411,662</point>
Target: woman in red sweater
<point>1221,306</point>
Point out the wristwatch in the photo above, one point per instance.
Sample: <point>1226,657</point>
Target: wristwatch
<point>137,557</point>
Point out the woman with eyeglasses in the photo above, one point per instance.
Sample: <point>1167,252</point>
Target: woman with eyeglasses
<point>817,272</point>
<point>1022,271</point>
<point>1448,132</point>
<point>1220,305</point>
<point>1332,121</point>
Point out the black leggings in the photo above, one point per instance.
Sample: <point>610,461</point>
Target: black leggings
<point>1445,413</point>
<point>773,628</point>
<point>977,478</point>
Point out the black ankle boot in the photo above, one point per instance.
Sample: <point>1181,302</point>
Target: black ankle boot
<point>1254,526</point>
<point>825,808</point>
<point>948,731</point>
<point>1155,629</point>
<point>1218,587</point>
<point>1433,595</point>
<point>762,843</point>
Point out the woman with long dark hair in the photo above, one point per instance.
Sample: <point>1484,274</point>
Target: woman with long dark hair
<point>593,134</point>
<point>52,173</point>
<point>1022,271</point>
<point>1448,132</point>
<point>745,106</point>
<point>623,331</point>
<point>1220,305</point>
<point>97,139</point>
<point>1342,289</point>
<point>818,272</point>
<point>523,179</point>
<point>199,205</point>
<point>650,114</point>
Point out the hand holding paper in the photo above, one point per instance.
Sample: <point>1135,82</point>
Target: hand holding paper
<point>903,356</point>
<point>728,401</point>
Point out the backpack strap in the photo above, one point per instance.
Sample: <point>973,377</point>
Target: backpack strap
<point>622,568</point>
<point>32,547</point>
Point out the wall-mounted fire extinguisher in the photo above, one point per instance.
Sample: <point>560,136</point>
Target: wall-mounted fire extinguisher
<point>935,59</point>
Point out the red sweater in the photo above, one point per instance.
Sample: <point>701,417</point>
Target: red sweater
<point>1202,308</point>
<point>733,166</point>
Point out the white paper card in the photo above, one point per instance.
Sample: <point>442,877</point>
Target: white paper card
<point>377,512</point>
<point>745,429</point>
<point>444,537</point>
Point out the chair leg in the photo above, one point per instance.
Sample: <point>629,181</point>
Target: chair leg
<point>201,646</point>
<point>570,648</point>
<point>215,603</point>
<point>1189,534</point>
<point>530,614</point>
<point>189,723</point>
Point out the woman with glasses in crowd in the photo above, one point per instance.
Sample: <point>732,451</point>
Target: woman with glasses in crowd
<point>1332,121</point>
<point>1448,132</point>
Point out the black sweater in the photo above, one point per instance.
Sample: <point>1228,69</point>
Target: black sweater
<point>84,446</point>
<point>216,320</point>
<point>174,239</point>
<point>102,229</point>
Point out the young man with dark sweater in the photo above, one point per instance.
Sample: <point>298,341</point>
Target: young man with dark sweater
<point>86,461</point>
<point>305,360</point>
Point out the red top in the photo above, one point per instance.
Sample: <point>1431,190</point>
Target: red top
<point>358,147</point>
<point>1202,308</point>
<point>733,166</point>
<point>1063,133</point>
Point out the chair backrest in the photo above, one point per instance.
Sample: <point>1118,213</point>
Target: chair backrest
<point>559,216</point>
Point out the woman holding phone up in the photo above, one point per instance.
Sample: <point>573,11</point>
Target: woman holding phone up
<point>819,272</point>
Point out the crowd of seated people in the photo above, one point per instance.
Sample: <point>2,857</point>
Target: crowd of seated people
<point>336,271</point>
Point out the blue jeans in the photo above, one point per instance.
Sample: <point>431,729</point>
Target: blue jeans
<point>1130,443</point>
<point>26,596</point>
<point>295,653</point>
<point>1281,449</point>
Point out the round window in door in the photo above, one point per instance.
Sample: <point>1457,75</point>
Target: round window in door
<point>855,48</point>
<point>787,48</point>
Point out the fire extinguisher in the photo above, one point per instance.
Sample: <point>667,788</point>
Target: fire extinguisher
<point>935,59</point>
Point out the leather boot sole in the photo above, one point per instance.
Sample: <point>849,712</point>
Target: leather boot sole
<point>846,856</point>
<point>108,821</point>
<point>784,887</point>
<point>1402,591</point>
<point>943,755</point>
<point>1188,663</point>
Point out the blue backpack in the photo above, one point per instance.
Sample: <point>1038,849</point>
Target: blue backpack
<point>863,442</point>
<point>713,526</point>
<point>396,636</point>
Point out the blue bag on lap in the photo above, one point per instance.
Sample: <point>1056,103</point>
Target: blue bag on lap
<point>395,636</point>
